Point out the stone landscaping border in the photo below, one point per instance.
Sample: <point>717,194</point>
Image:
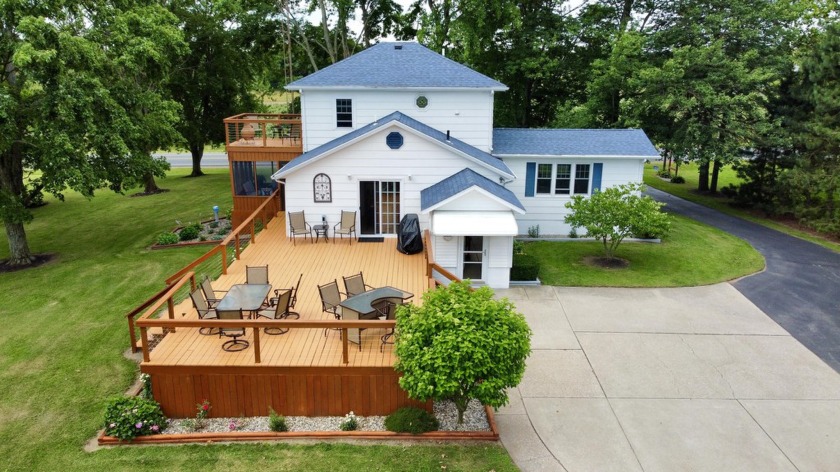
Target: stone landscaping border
<point>195,438</point>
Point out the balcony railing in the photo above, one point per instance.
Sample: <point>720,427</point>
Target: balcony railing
<point>272,130</point>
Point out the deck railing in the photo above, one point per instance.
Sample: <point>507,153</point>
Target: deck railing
<point>232,245</point>
<point>436,274</point>
<point>264,130</point>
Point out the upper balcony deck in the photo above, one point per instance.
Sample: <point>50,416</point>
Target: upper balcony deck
<point>264,132</point>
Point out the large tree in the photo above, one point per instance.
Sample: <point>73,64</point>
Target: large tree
<point>67,66</point>
<point>231,44</point>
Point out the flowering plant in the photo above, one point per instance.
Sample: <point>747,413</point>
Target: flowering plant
<point>350,423</point>
<point>129,417</point>
<point>146,380</point>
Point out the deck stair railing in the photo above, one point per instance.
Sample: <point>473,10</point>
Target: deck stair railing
<point>213,263</point>
<point>436,274</point>
<point>263,130</point>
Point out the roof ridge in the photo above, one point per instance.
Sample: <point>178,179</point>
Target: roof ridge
<point>566,129</point>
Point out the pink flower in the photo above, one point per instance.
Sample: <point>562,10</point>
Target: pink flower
<point>139,425</point>
<point>205,406</point>
<point>232,426</point>
<point>155,428</point>
<point>113,425</point>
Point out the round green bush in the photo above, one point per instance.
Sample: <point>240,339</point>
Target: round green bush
<point>167,238</point>
<point>412,420</point>
<point>129,417</point>
<point>677,180</point>
<point>525,267</point>
<point>189,233</point>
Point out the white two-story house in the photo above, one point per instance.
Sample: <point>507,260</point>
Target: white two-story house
<point>399,129</point>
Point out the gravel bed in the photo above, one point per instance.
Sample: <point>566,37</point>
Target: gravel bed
<point>474,420</point>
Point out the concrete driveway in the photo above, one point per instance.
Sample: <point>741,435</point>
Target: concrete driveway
<point>799,289</point>
<point>684,379</point>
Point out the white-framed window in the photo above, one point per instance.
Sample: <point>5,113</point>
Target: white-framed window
<point>563,179</point>
<point>343,113</point>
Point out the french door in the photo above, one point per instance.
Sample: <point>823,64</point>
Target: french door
<point>379,207</point>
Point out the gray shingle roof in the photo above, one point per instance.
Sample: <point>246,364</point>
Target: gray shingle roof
<point>572,142</point>
<point>463,180</point>
<point>475,154</point>
<point>385,66</point>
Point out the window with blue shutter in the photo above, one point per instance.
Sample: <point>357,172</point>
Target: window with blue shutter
<point>597,170</point>
<point>530,178</point>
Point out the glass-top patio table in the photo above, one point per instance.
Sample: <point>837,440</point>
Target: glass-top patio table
<point>358,307</point>
<point>245,297</point>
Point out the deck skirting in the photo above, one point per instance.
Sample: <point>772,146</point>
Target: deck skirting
<point>290,391</point>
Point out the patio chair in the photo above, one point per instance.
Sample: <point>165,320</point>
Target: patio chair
<point>347,226</point>
<point>355,284</point>
<point>294,289</point>
<point>330,298</point>
<point>280,311</point>
<point>205,312</point>
<point>256,275</point>
<point>210,292</point>
<point>234,344</point>
<point>298,225</point>
<point>388,310</point>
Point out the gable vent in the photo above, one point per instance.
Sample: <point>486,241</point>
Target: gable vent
<point>394,140</point>
<point>398,47</point>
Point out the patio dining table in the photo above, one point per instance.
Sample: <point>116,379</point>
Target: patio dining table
<point>245,297</point>
<point>358,307</point>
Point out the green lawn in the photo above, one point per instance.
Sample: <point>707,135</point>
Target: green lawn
<point>64,334</point>
<point>693,254</point>
<point>688,192</point>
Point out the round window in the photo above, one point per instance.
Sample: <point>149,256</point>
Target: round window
<point>394,140</point>
<point>422,101</point>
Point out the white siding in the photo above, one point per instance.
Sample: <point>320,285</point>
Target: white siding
<point>467,114</point>
<point>446,252</point>
<point>548,211</point>
<point>418,164</point>
<point>500,251</point>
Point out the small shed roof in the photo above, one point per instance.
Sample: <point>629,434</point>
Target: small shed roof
<point>462,181</point>
<point>397,65</point>
<point>573,142</point>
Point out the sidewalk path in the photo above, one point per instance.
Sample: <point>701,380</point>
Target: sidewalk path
<point>666,380</point>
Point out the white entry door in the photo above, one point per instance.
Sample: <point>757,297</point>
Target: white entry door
<point>473,258</point>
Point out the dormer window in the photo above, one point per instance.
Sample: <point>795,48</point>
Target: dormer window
<point>344,113</point>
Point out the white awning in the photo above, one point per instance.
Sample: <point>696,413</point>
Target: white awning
<point>474,223</point>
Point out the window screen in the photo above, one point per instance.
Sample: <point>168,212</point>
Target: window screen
<point>563,179</point>
<point>582,178</point>
<point>544,178</point>
<point>344,113</point>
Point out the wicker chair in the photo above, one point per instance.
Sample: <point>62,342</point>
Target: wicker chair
<point>280,311</point>
<point>210,292</point>
<point>330,298</point>
<point>355,284</point>
<point>234,344</point>
<point>347,226</point>
<point>298,226</point>
<point>205,312</point>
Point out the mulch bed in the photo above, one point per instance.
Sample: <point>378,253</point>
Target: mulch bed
<point>607,262</point>
<point>38,260</point>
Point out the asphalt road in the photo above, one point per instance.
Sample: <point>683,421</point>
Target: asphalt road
<point>800,288</point>
<point>184,159</point>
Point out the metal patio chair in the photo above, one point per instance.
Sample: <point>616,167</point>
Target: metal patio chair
<point>298,226</point>
<point>279,311</point>
<point>210,292</point>
<point>347,226</point>
<point>205,312</point>
<point>330,298</point>
<point>355,284</point>
<point>235,344</point>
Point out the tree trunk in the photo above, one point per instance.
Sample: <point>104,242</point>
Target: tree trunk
<point>18,246</point>
<point>715,172</point>
<point>150,184</point>
<point>197,153</point>
<point>703,183</point>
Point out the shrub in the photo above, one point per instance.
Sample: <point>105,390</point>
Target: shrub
<point>213,224</point>
<point>518,247</point>
<point>525,267</point>
<point>190,232</point>
<point>678,179</point>
<point>164,239</point>
<point>412,420</point>
<point>534,231</point>
<point>461,344</point>
<point>573,233</point>
<point>350,423</point>
<point>129,417</point>
<point>277,423</point>
<point>615,213</point>
<point>664,174</point>
<point>146,380</point>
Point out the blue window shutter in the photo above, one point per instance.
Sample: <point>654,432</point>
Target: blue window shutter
<point>530,178</point>
<point>597,170</point>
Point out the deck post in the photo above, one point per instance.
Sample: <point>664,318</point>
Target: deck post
<point>236,246</point>
<point>224,260</point>
<point>170,306</point>
<point>257,345</point>
<point>133,334</point>
<point>253,230</point>
<point>192,282</point>
<point>345,352</point>
<point>144,341</point>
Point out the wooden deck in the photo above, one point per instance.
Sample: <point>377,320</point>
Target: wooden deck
<point>319,263</point>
